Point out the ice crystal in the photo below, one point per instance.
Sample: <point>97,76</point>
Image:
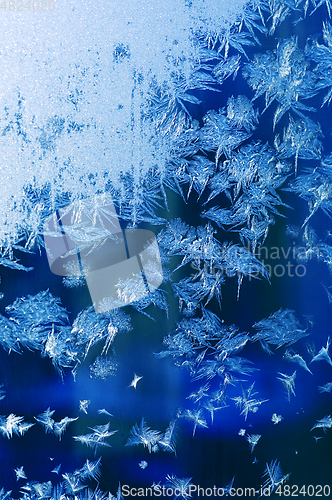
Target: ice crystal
<point>226,68</point>
<point>40,323</point>
<point>283,76</point>
<point>102,411</point>
<point>201,393</point>
<point>252,20</point>
<point>249,178</point>
<point>247,403</point>
<point>180,485</point>
<point>156,298</point>
<point>20,474</point>
<point>24,427</point>
<point>196,417</point>
<point>97,438</point>
<point>73,281</point>
<point>235,40</point>
<point>279,11</point>
<point>142,434</point>
<point>324,423</point>
<point>279,329</point>
<point>60,427</point>
<point>118,495</point>
<point>224,131</point>
<point>252,164</point>
<point>323,354</point>
<point>227,489</point>
<point>13,424</point>
<point>240,262</point>
<point>213,404</point>
<point>35,312</point>
<point>201,287</point>
<point>328,293</point>
<point>289,383</point>
<point>56,469</point>
<point>50,425</point>
<point>321,54</point>
<point>253,440</point>
<point>315,186</point>
<point>206,337</point>
<point>167,442</point>
<point>84,404</point>
<point>89,328</point>
<point>302,138</point>
<point>273,475</point>
<point>46,420</point>
<point>90,470</point>
<point>135,380</point>
<point>13,265</point>
<point>276,418</point>
<point>72,484</point>
<point>38,490</point>
<point>296,358</point>
<point>143,464</point>
<point>326,387</point>
<point>103,367</point>
<point>194,245</point>
<point>328,6</point>
<point>239,365</point>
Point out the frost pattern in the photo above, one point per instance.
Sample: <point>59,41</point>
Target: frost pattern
<point>45,126</point>
<point>127,118</point>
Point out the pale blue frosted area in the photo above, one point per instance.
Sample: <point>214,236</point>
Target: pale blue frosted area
<point>84,76</point>
<point>195,138</point>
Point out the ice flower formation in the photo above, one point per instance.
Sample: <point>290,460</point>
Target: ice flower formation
<point>204,124</point>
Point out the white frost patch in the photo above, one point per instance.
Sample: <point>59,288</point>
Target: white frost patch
<point>74,94</point>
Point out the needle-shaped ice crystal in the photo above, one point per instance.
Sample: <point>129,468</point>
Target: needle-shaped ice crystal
<point>289,383</point>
